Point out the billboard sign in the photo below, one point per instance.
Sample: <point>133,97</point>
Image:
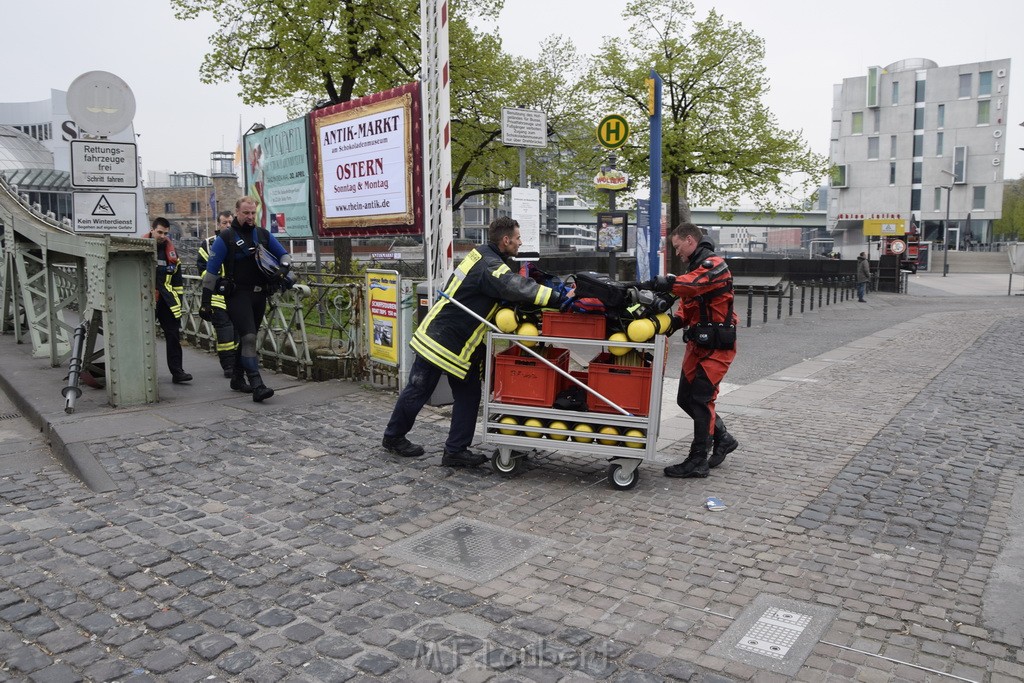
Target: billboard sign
<point>277,177</point>
<point>382,297</point>
<point>366,154</point>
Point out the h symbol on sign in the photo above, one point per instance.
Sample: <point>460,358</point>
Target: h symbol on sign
<point>613,131</point>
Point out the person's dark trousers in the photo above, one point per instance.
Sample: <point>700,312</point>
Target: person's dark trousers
<point>423,379</point>
<point>172,334</point>
<point>227,340</point>
<point>862,288</point>
<point>695,398</point>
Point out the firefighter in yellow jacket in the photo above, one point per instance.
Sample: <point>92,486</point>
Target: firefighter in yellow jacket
<point>169,291</point>
<point>227,338</point>
<point>448,341</point>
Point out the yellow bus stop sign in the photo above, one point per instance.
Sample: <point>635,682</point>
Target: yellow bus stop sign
<point>612,131</point>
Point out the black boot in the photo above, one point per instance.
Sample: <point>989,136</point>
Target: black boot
<point>695,465</point>
<point>227,363</point>
<point>725,443</point>
<point>238,382</point>
<point>260,391</point>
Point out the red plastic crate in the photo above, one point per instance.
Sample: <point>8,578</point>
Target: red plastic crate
<point>627,386</point>
<point>573,325</point>
<point>521,379</point>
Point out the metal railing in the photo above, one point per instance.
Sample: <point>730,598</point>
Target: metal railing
<point>806,294</point>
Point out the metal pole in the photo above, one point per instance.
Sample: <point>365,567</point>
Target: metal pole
<point>945,234</point>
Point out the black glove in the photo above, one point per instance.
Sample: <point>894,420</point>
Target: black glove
<point>662,283</point>
<point>677,324</point>
<point>206,307</point>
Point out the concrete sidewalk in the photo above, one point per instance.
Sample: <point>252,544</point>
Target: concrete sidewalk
<point>870,534</point>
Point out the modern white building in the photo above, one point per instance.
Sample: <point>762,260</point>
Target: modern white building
<point>912,136</point>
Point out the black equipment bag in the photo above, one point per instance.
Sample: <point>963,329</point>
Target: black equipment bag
<point>591,285</point>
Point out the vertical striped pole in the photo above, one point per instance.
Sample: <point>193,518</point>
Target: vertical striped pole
<point>437,163</point>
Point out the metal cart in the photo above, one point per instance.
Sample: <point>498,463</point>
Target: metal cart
<point>625,451</point>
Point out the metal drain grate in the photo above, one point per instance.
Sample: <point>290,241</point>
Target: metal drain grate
<point>9,416</point>
<point>775,633</point>
<point>474,550</point>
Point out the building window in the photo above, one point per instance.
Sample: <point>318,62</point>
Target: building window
<point>919,118</point>
<point>984,112</point>
<point>194,207</point>
<point>872,148</point>
<point>872,91</point>
<point>915,172</point>
<point>919,91</point>
<point>938,198</point>
<point>965,86</point>
<point>984,83</point>
<point>169,207</point>
<point>895,93</point>
<point>939,140</point>
<point>892,146</point>
<point>918,145</point>
<point>892,172</point>
<point>876,119</point>
<point>959,164</point>
<point>979,198</point>
<point>857,123</point>
<point>941,123</point>
<point>839,175</point>
<point>915,200</point>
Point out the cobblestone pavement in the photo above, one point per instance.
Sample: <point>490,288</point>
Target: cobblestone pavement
<point>869,480</point>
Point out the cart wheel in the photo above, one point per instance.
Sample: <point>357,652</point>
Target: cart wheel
<point>620,481</point>
<point>503,462</point>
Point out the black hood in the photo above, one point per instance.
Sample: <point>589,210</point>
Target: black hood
<point>705,248</point>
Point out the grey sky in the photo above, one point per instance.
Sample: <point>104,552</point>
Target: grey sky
<point>810,47</point>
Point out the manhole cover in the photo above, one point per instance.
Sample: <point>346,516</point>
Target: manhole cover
<point>775,633</point>
<point>474,550</point>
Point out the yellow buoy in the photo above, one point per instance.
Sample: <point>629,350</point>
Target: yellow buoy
<point>558,425</point>
<point>635,433</point>
<point>618,350</point>
<point>610,431</point>
<point>506,321</point>
<point>528,330</point>
<point>583,428</point>
<point>508,420</point>
<point>641,330</point>
<point>664,321</point>
<point>533,422</point>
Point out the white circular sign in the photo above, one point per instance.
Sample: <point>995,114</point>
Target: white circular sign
<point>897,246</point>
<point>101,103</point>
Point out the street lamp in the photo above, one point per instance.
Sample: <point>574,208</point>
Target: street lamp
<point>945,225</point>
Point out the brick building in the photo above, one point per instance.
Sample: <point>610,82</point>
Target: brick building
<point>191,201</point>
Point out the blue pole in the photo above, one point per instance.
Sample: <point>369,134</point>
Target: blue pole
<point>654,221</point>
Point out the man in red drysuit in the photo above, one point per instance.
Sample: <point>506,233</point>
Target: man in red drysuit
<point>706,311</point>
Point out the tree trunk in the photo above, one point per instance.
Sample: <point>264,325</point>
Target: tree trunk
<point>343,255</point>
<point>678,212</point>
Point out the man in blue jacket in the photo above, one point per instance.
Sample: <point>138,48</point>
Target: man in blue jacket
<point>449,341</point>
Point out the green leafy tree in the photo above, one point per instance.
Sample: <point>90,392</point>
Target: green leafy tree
<point>318,52</point>
<point>720,143</point>
<point>1011,226</point>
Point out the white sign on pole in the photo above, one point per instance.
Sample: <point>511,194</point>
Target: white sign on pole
<point>526,211</point>
<point>104,212</point>
<point>524,127</point>
<point>100,163</point>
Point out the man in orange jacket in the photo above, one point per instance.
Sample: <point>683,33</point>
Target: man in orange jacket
<point>706,311</point>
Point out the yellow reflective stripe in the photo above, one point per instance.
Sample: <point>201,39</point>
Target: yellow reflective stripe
<point>500,270</point>
<point>543,295</point>
<point>227,346</point>
<point>217,301</point>
<point>437,355</point>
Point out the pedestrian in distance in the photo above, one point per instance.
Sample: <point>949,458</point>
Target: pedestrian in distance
<point>170,287</point>
<point>227,338</point>
<point>706,313</point>
<point>863,276</point>
<point>255,266</point>
<point>449,341</point>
